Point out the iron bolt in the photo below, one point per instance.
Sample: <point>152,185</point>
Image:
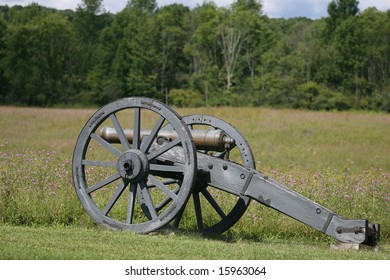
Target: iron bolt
<point>225,167</point>
<point>242,176</point>
<point>356,229</point>
<point>210,166</point>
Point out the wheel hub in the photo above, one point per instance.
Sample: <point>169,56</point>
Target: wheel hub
<point>133,165</point>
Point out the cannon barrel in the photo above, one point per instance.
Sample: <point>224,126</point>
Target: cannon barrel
<point>211,140</point>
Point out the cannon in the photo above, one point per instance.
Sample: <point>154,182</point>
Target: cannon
<point>137,163</point>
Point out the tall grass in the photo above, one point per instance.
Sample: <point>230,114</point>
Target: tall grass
<point>340,160</point>
<point>36,189</point>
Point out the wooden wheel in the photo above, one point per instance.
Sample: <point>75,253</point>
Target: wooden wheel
<point>215,210</point>
<point>125,185</point>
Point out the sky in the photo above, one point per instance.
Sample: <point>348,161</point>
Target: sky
<point>313,9</point>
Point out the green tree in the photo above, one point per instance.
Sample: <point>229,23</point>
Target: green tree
<point>24,15</point>
<point>257,36</point>
<point>101,80</point>
<point>286,64</point>
<point>203,50</point>
<point>136,64</point>
<point>374,71</point>
<point>145,6</point>
<point>173,36</point>
<point>3,81</point>
<point>229,55</point>
<point>127,61</point>
<point>90,18</point>
<point>231,42</point>
<point>38,60</point>
<point>340,10</point>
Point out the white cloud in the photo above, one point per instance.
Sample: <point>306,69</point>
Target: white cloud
<point>312,8</point>
<point>63,4</point>
<point>115,6</point>
<point>296,8</point>
<point>194,3</point>
<point>382,5</point>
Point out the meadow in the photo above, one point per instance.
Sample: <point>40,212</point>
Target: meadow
<point>338,159</point>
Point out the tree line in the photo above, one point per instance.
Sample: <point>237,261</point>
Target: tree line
<point>208,55</point>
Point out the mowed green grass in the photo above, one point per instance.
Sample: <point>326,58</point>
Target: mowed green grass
<point>79,243</point>
<point>341,160</point>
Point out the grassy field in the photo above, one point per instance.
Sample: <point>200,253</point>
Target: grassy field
<point>79,243</point>
<point>340,160</point>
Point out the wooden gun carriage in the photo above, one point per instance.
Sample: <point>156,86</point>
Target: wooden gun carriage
<point>136,164</point>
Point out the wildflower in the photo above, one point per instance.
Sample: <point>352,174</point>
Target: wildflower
<point>358,189</point>
<point>254,217</point>
<point>292,182</point>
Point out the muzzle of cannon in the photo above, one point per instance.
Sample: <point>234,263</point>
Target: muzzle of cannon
<point>137,163</point>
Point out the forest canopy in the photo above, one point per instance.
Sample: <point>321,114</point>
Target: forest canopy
<point>205,56</point>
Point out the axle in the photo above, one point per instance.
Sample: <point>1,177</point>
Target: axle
<point>210,140</point>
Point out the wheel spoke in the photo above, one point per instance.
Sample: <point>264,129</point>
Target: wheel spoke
<point>148,200</point>
<point>166,200</point>
<point>163,149</point>
<point>162,187</point>
<point>146,145</point>
<point>137,128</point>
<point>105,144</point>
<point>103,183</point>
<point>99,163</point>
<point>178,217</point>
<point>167,168</point>
<point>121,134</point>
<point>131,203</point>
<point>198,210</point>
<point>165,182</point>
<point>213,203</point>
<point>115,197</point>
